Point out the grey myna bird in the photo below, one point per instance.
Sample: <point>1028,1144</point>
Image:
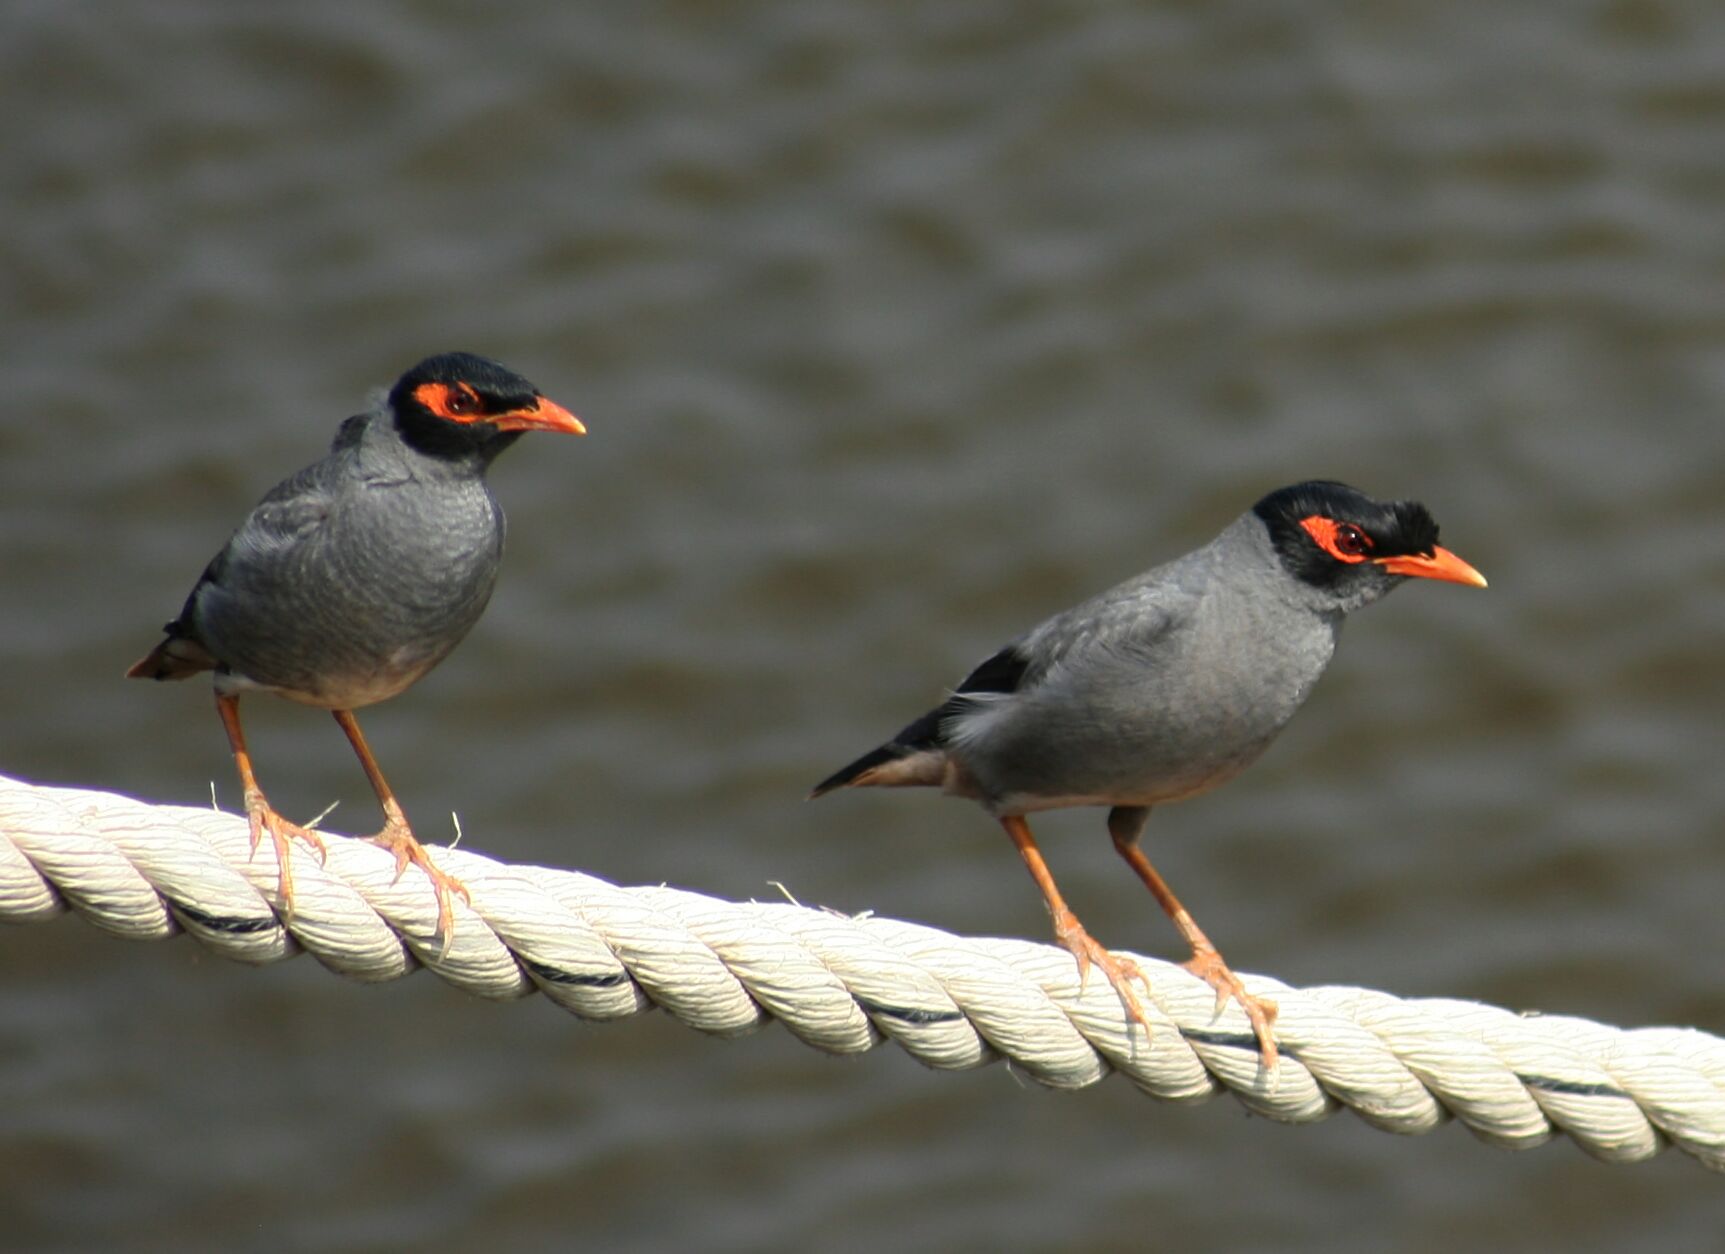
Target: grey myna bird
<point>356,576</point>
<point>1161,689</point>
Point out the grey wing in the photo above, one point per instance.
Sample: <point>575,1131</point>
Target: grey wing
<point>290,513</point>
<point>1072,731</point>
<point>261,550</point>
<point>296,507</point>
<point>1125,625</point>
<point>1074,664</point>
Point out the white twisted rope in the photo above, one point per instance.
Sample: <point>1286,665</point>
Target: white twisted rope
<point>843,984</point>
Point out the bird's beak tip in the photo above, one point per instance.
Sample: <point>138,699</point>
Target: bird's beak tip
<point>1439,564</point>
<point>554,417</point>
<point>546,415</point>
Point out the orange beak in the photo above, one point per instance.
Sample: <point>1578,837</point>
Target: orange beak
<point>545,415</point>
<point>1442,564</point>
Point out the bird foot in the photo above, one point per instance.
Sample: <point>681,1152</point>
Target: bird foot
<point>282,833</point>
<point>398,838</point>
<point>1120,971</point>
<point>1207,965</point>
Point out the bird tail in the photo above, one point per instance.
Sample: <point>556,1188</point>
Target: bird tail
<point>911,758</point>
<point>846,776</point>
<point>917,755</point>
<point>178,656</point>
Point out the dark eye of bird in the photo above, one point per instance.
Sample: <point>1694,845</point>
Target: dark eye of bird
<point>1350,540</point>
<point>461,401</point>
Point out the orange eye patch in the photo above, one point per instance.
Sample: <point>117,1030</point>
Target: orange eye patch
<point>1344,541</point>
<point>454,401</point>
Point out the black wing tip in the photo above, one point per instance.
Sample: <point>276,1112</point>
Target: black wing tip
<point>1001,674</point>
<point>847,774</point>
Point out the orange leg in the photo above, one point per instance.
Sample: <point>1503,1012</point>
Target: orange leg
<point>397,836</point>
<point>261,814</point>
<point>1070,932</point>
<point>1125,825</point>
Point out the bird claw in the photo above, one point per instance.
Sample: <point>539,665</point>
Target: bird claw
<point>1120,971</point>
<point>398,838</point>
<point>1207,965</point>
<point>282,832</point>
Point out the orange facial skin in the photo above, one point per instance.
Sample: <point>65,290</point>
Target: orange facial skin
<point>457,402</point>
<point>1348,542</point>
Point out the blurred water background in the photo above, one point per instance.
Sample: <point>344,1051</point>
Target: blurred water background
<point>896,328</point>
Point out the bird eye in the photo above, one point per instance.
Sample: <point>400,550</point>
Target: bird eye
<point>460,400</point>
<point>1350,540</point>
